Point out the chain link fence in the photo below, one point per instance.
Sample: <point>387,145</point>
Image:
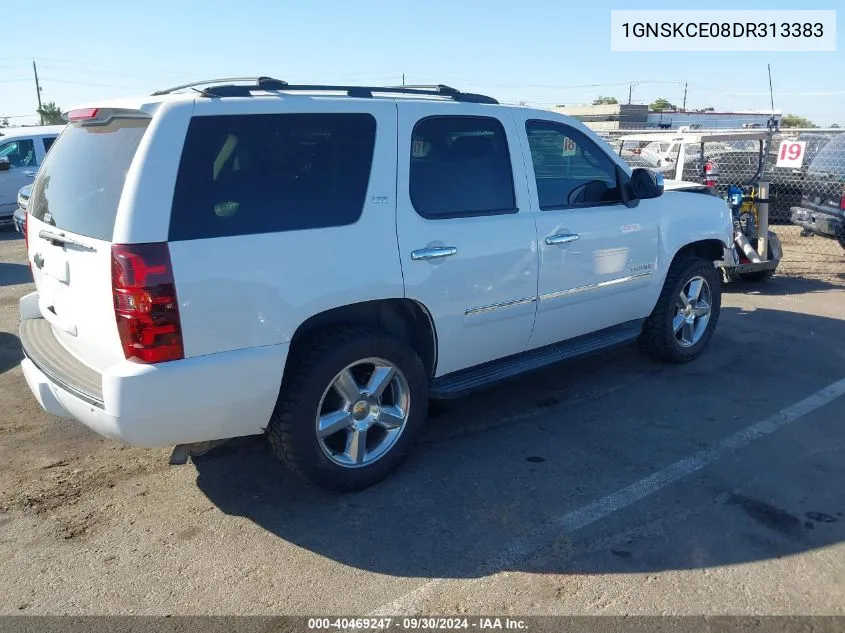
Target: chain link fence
<point>806,199</point>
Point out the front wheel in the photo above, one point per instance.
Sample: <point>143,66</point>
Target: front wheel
<point>682,323</point>
<point>352,402</point>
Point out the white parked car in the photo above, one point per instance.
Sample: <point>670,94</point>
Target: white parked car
<point>314,263</point>
<point>22,150</point>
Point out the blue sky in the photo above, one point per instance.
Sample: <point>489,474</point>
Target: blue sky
<point>544,52</point>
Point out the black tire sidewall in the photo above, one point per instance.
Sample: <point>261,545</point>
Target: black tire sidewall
<point>309,456</point>
<point>696,268</point>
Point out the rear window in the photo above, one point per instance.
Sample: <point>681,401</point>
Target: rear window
<point>80,183</point>
<point>248,174</point>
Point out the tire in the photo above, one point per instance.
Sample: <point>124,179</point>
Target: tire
<point>336,460</point>
<point>659,336</point>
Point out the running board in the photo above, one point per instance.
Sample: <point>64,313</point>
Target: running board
<point>460,383</point>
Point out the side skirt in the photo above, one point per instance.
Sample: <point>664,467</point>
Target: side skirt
<point>465,381</point>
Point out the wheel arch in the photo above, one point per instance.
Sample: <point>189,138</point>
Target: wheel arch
<point>712,249</point>
<point>406,319</point>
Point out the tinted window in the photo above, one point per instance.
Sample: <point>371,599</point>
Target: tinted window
<point>460,166</point>
<point>831,158</point>
<point>249,174</point>
<point>48,142</point>
<point>570,170</point>
<point>20,152</point>
<point>80,183</point>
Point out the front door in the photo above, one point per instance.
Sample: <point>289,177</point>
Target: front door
<point>467,237</point>
<point>22,169</point>
<point>596,254</point>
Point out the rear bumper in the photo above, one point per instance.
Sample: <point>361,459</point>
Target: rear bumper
<point>818,223</point>
<point>179,402</point>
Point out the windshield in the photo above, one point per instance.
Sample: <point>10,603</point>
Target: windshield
<point>79,186</point>
<point>831,159</point>
<point>656,148</point>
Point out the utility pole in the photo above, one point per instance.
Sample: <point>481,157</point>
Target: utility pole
<point>37,91</point>
<point>403,79</point>
<point>684,108</point>
<point>630,91</point>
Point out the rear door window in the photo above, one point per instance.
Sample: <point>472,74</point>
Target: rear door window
<point>249,174</point>
<point>80,183</point>
<point>460,166</point>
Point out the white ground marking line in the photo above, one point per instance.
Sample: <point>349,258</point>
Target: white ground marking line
<point>605,506</point>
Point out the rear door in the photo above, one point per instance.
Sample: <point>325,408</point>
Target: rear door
<point>72,212</point>
<point>467,238</point>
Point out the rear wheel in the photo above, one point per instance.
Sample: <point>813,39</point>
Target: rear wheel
<point>352,402</point>
<point>682,323</point>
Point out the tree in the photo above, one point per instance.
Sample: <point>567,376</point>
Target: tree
<point>793,120</point>
<point>4,122</point>
<point>605,101</point>
<point>834,125</point>
<point>50,113</point>
<point>662,104</point>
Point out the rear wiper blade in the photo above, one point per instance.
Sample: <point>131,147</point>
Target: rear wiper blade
<point>61,238</point>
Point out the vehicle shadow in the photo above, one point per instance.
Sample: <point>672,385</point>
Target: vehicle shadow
<point>783,285</point>
<point>14,274</point>
<point>497,470</point>
<point>11,353</point>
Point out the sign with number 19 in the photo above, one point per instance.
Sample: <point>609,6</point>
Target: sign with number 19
<point>791,154</point>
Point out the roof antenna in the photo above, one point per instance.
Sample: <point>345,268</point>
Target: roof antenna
<point>772,123</point>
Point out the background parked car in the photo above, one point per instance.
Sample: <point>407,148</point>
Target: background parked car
<point>822,207</point>
<point>20,213</point>
<point>24,150</point>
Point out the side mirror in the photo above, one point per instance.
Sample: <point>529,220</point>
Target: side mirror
<point>646,184</point>
<point>5,165</point>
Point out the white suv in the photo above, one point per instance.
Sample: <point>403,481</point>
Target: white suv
<point>314,262</point>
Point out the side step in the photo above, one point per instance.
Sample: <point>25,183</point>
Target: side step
<point>460,383</point>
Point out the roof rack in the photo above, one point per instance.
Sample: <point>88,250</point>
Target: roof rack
<point>261,83</point>
<point>269,83</point>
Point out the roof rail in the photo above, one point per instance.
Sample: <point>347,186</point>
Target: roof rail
<point>261,83</point>
<point>268,83</point>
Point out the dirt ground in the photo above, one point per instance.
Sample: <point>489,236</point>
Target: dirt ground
<point>556,493</point>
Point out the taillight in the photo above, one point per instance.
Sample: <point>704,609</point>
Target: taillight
<point>709,178</point>
<point>842,201</point>
<point>145,303</point>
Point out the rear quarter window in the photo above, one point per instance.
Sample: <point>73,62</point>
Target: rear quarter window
<point>249,174</point>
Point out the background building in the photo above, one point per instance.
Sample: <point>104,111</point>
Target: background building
<point>623,116</point>
<point>618,116</point>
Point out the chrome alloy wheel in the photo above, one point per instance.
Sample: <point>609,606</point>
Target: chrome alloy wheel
<point>363,412</point>
<point>692,312</point>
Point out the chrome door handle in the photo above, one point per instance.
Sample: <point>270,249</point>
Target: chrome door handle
<point>561,238</point>
<point>433,253</point>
